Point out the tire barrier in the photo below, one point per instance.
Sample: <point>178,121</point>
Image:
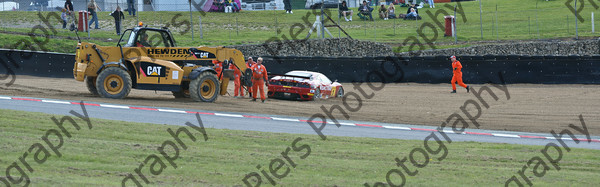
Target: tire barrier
<point>548,69</point>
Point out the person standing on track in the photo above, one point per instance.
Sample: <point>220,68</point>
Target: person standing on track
<point>218,67</point>
<point>239,91</point>
<point>259,79</point>
<point>249,64</point>
<point>457,75</point>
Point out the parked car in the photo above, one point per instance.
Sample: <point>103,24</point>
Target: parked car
<point>303,85</point>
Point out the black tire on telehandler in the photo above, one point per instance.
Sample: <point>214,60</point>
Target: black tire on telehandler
<point>184,92</point>
<point>205,87</point>
<point>113,82</point>
<point>90,82</point>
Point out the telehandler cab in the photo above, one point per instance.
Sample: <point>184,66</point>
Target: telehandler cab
<point>150,60</point>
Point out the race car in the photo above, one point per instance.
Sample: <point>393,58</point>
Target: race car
<point>303,85</point>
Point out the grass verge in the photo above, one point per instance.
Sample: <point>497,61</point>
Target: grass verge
<point>110,150</point>
<point>500,20</point>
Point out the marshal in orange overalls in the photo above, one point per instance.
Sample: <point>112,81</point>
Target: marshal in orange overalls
<point>457,74</point>
<point>259,76</point>
<point>218,68</point>
<point>249,64</point>
<point>236,81</point>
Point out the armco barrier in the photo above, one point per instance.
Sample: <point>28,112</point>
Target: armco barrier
<point>43,64</point>
<point>433,69</point>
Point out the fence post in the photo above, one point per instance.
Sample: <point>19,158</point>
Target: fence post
<point>375,30</point>
<point>537,25</point>
<point>529,24</point>
<point>567,24</point>
<point>454,30</point>
<point>480,20</point>
<point>576,25</point>
<point>191,20</point>
<point>237,28</point>
<point>395,26</point>
<point>200,24</point>
<point>592,22</point>
<point>497,22</point>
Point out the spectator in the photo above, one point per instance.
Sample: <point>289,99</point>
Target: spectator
<point>383,13</point>
<point>69,6</point>
<point>64,18</point>
<point>287,6</point>
<point>117,14</point>
<point>412,14</point>
<point>414,6</point>
<point>93,7</point>
<point>364,11</point>
<point>234,5</point>
<point>220,5</point>
<point>431,3</point>
<point>391,12</point>
<point>69,11</point>
<point>345,11</point>
<point>131,7</point>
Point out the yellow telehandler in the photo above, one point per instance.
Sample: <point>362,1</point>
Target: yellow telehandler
<point>150,60</point>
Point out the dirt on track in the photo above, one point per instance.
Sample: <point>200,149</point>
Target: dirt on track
<point>531,107</point>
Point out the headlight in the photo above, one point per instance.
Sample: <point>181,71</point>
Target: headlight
<point>312,91</point>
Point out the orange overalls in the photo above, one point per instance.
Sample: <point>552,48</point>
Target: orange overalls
<point>236,81</point>
<point>259,76</point>
<point>457,75</point>
<point>218,67</point>
<point>249,64</point>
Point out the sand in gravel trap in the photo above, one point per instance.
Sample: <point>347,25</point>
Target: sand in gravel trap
<point>531,107</point>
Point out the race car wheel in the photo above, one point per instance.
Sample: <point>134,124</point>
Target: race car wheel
<point>113,82</point>
<point>205,87</point>
<point>317,94</point>
<point>340,92</point>
<point>90,82</point>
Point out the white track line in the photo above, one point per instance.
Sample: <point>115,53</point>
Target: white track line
<point>285,119</point>
<point>507,135</point>
<point>452,132</point>
<point>229,115</point>
<point>57,102</point>
<point>347,124</point>
<point>553,138</point>
<point>114,106</point>
<point>399,128</point>
<point>173,111</point>
<point>5,98</point>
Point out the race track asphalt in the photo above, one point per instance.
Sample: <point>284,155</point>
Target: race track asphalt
<point>278,124</point>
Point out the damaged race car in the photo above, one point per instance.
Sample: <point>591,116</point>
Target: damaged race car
<point>303,85</point>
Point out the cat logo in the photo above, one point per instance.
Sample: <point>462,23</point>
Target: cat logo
<point>203,55</point>
<point>153,70</point>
